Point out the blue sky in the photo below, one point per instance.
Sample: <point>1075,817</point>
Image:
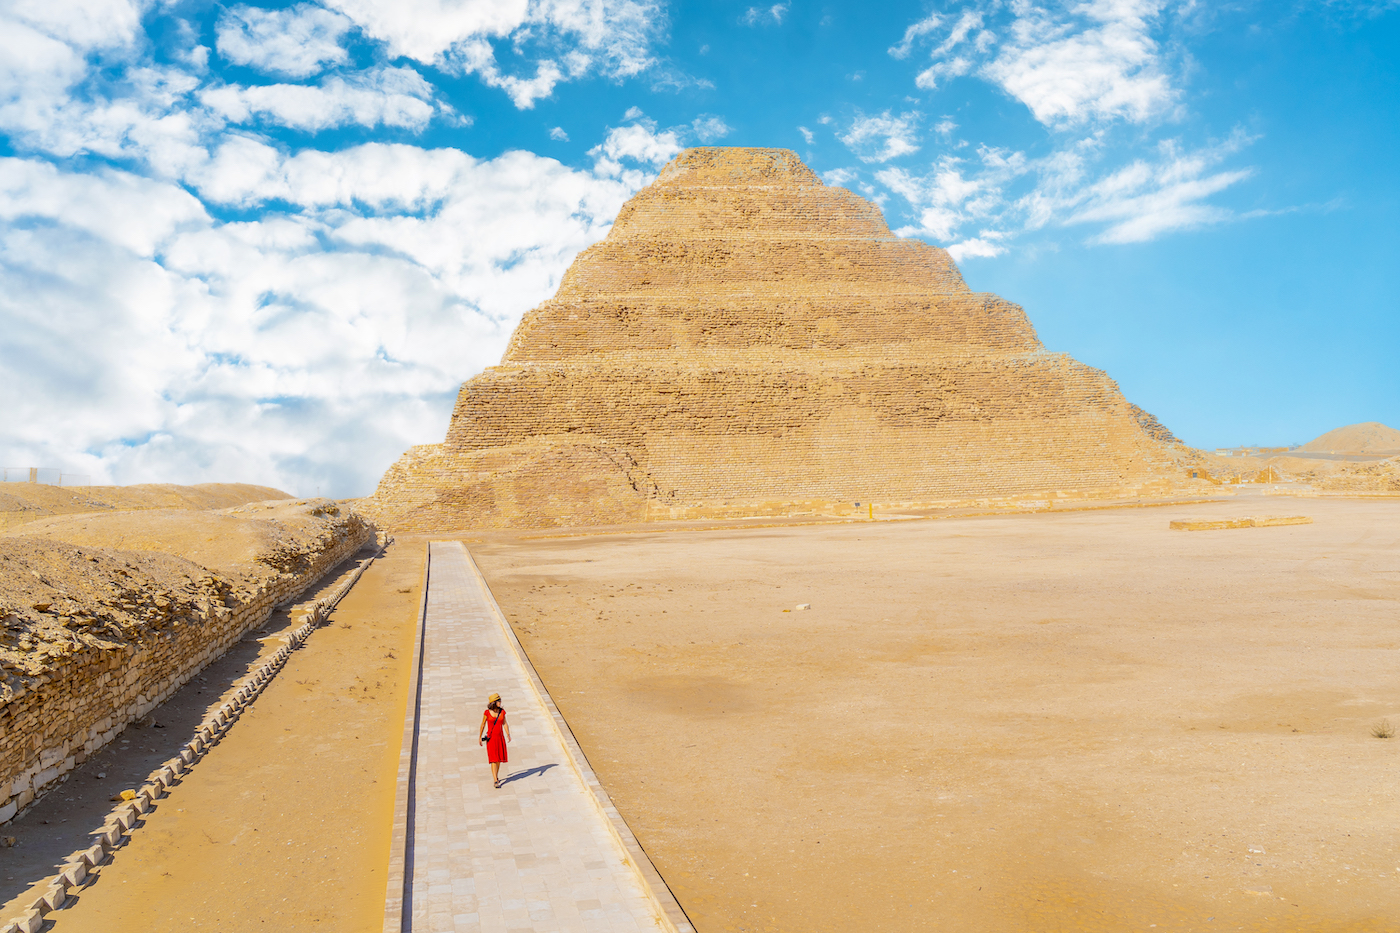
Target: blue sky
<point>266,243</point>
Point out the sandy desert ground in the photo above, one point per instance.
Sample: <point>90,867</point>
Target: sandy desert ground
<point>1049,722</point>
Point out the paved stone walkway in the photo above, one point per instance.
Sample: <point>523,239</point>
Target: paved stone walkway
<point>539,854</point>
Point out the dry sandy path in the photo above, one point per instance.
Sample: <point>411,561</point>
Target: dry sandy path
<point>1031,723</point>
<point>285,823</point>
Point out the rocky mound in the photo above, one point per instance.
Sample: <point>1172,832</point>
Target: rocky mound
<point>748,341</point>
<point>1368,437</point>
<point>108,580</point>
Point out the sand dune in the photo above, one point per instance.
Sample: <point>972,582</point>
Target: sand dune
<point>1368,437</point>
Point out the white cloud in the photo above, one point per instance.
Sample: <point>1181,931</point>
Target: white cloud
<point>81,24</point>
<point>639,143</point>
<point>707,128</point>
<point>1070,62</point>
<point>1109,70</point>
<point>133,213</point>
<point>35,71</point>
<point>307,347</point>
<point>298,41</point>
<point>954,67</point>
<point>477,57</point>
<point>1005,193</point>
<point>666,77</point>
<point>562,39</point>
<point>558,134</point>
<point>43,58</point>
<point>882,137</point>
<point>915,32</point>
<point>806,134</point>
<point>383,96</point>
<point>1144,199</point>
<point>757,16</point>
<point>840,177</point>
<point>1362,8</point>
<point>944,197</point>
<point>1075,64</point>
<point>974,247</point>
<point>151,120</point>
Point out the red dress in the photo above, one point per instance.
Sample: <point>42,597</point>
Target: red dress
<point>496,737</point>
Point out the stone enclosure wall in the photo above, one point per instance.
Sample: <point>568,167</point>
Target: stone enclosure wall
<point>87,698</point>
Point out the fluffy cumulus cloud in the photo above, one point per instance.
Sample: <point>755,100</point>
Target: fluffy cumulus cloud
<point>295,42</point>
<point>191,289</point>
<point>558,40</point>
<point>384,96</point>
<point>630,153</point>
<point>305,348</point>
<point>1070,62</point>
<point>881,137</point>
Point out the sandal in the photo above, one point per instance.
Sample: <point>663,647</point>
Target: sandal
<point>498,785</point>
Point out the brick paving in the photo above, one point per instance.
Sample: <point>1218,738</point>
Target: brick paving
<point>540,854</point>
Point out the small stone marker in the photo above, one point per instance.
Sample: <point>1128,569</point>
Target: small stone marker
<point>801,606</point>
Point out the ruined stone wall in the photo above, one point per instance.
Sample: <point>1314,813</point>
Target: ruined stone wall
<point>1381,476</point>
<point>746,334</point>
<point>84,699</point>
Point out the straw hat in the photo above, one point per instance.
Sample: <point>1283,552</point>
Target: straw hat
<point>492,698</point>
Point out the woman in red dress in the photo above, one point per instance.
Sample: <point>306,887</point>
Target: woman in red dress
<point>494,734</point>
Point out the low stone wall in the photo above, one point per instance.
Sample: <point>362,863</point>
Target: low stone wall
<point>90,696</point>
<point>124,819</point>
<point>1268,521</point>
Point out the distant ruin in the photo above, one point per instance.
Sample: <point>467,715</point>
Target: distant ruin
<point>749,341</point>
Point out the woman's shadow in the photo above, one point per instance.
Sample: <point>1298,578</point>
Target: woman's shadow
<point>531,772</point>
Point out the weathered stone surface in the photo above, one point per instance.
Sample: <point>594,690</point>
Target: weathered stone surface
<point>748,340</point>
<point>93,638</point>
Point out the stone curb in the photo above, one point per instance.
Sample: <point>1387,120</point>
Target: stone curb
<point>668,909</point>
<point>400,849</point>
<point>125,818</point>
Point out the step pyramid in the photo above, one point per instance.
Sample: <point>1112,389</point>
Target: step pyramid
<point>750,341</point>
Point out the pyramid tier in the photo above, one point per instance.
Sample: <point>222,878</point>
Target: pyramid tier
<point>631,402</point>
<point>726,166</point>
<point>851,454</point>
<point>531,485</point>
<point>747,212</point>
<point>660,265</point>
<point>928,324</point>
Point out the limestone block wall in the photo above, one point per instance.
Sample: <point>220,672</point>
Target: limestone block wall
<point>87,698</point>
<point>649,326</point>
